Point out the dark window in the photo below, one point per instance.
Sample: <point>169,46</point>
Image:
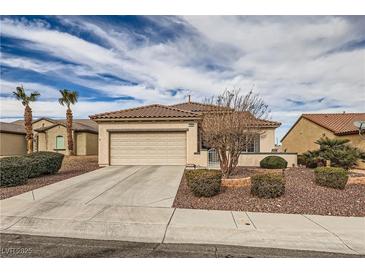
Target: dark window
<point>253,144</point>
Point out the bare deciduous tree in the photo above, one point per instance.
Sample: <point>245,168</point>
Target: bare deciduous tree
<point>233,128</point>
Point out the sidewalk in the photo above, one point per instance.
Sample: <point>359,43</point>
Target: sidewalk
<point>22,215</point>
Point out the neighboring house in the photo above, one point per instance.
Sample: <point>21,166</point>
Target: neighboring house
<point>12,139</point>
<point>310,127</point>
<point>51,135</point>
<point>169,135</point>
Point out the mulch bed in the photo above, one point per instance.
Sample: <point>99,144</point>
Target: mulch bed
<point>302,196</point>
<point>71,166</point>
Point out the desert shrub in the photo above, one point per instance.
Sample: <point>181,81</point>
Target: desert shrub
<point>334,177</point>
<point>339,152</point>
<point>273,162</point>
<point>204,182</point>
<point>44,162</point>
<point>313,159</point>
<point>14,171</point>
<point>302,160</point>
<point>267,185</point>
<point>346,157</point>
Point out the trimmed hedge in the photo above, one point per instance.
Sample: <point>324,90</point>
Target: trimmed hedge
<point>273,162</point>
<point>16,170</point>
<point>204,182</point>
<point>267,185</point>
<point>45,162</point>
<point>334,177</point>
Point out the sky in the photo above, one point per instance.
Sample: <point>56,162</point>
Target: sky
<point>298,64</point>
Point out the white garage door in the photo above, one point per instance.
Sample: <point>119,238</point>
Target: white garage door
<point>148,148</point>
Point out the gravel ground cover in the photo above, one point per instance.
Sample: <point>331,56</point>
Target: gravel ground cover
<point>302,196</point>
<point>71,166</point>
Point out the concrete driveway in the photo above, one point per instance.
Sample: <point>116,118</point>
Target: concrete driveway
<point>147,186</point>
<point>133,203</point>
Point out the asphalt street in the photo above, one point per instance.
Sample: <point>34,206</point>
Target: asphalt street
<point>28,246</point>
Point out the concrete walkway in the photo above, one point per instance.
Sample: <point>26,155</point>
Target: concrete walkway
<point>73,208</point>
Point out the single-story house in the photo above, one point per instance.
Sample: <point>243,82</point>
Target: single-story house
<point>310,127</point>
<point>12,139</point>
<point>170,135</point>
<point>51,135</point>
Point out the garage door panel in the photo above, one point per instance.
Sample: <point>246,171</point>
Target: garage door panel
<point>148,148</point>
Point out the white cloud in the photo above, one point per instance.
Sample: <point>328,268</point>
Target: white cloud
<point>47,92</point>
<point>11,109</point>
<point>284,57</point>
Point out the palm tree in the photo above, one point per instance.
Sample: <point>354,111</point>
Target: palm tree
<point>326,143</point>
<point>68,98</point>
<point>25,99</point>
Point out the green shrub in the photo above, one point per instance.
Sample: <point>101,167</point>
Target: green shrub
<point>273,162</point>
<point>44,162</point>
<point>338,152</point>
<point>334,177</point>
<point>302,160</point>
<point>204,182</point>
<point>313,159</point>
<point>267,185</point>
<point>14,171</point>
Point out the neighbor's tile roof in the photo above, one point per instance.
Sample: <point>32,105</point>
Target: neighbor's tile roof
<point>85,125</point>
<point>199,107</point>
<point>75,126</point>
<point>150,111</point>
<point>86,122</point>
<point>338,123</point>
<point>12,128</point>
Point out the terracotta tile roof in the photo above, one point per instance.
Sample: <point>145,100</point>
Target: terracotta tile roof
<point>150,111</point>
<point>12,128</point>
<point>338,123</point>
<point>78,127</point>
<point>268,123</point>
<point>80,123</point>
<point>199,107</point>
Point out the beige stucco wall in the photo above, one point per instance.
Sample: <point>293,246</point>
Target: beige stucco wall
<point>302,137</point>
<point>267,140</point>
<point>91,144</point>
<point>253,159</point>
<point>191,136</point>
<point>51,135</point>
<point>12,144</point>
<point>41,123</point>
<point>86,143</point>
<point>356,140</point>
<point>80,143</point>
